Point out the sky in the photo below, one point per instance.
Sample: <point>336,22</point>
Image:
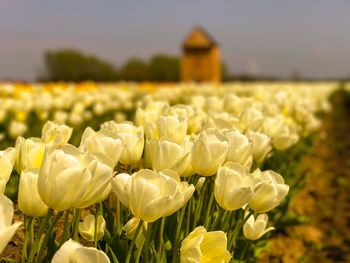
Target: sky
<point>263,37</point>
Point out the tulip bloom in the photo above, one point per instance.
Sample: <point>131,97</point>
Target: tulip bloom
<point>172,128</point>
<point>233,186</point>
<point>150,195</point>
<point>251,119</point>
<point>202,246</point>
<point>261,145</point>
<point>103,142</point>
<point>87,228</point>
<point>166,155</point>
<point>132,138</point>
<point>69,178</point>
<point>255,229</point>
<point>209,152</point>
<point>7,160</point>
<point>29,201</point>
<point>240,149</point>
<point>270,190</point>
<point>53,133</point>
<point>72,251</point>
<point>6,229</point>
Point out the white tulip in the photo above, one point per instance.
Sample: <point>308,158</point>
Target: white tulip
<point>255,229</point>
<point>72,251</point>
<point>269,191</point>
<point>87,227</point>
<point>6,229</point>
<point>233,186</point>
<point>150,195</point>
<point>29,201</point>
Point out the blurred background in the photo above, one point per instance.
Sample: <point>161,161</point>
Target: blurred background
<point>144,41</point>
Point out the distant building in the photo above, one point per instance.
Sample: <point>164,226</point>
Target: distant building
<point>201,57</point>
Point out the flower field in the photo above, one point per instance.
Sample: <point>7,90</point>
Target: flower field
<point>153,173</point>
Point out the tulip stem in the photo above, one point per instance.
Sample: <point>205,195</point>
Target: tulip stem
<point>76,224</point>
<point>38,237</point>
<point>118,216</point>
<point>65,227</point>
<point>161,240</point>
<point>47,236</point>
<point>207,214</point>
<point>217,219</point>
<point>179,224</point>
<point>238,229</point>
<point>199,204</point>
<point>244,251</point>
<point>131,248</point>
<point>95,230</point>
<point>28,222</point>
<point>188,217</point>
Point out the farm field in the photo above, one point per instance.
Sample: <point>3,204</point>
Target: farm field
<point>126,172</point>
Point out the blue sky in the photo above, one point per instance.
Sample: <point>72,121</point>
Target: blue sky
<point>256,36</point>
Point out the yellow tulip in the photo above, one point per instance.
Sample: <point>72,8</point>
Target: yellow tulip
<point>201,246</point>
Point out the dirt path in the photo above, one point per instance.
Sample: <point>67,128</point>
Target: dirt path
<point>325,199</point>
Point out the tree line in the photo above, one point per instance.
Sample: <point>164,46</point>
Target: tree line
<point>73,65</point>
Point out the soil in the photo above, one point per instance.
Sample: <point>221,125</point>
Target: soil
<point>325,199</point>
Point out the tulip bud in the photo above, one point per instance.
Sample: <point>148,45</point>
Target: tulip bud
<point>6,214</point>
<point>233,186</point>
<point>240,149</point>
<point>172,128</point>
<point>254,230</point>
<point>261,145</point>
<point>72,251</point>
<point>130,231</point>
<point>30,153</point>
<point>202,246</point>
<point>200,183</point>
<point>87,228</point>
<point>209,152</point>
<point>29,201</point>
<point>7,159</point>
<point>251,119</point>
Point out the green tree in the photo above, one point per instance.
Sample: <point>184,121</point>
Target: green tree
<point>72,65</point>
<point>134,69</point>
<point>164,68</point>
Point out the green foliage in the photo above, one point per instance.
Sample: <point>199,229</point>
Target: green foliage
<point>164,68</point>
<point>72,65</point>
<point>135,69</point>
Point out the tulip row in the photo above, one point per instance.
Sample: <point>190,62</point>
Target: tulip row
<point>188,182</point>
